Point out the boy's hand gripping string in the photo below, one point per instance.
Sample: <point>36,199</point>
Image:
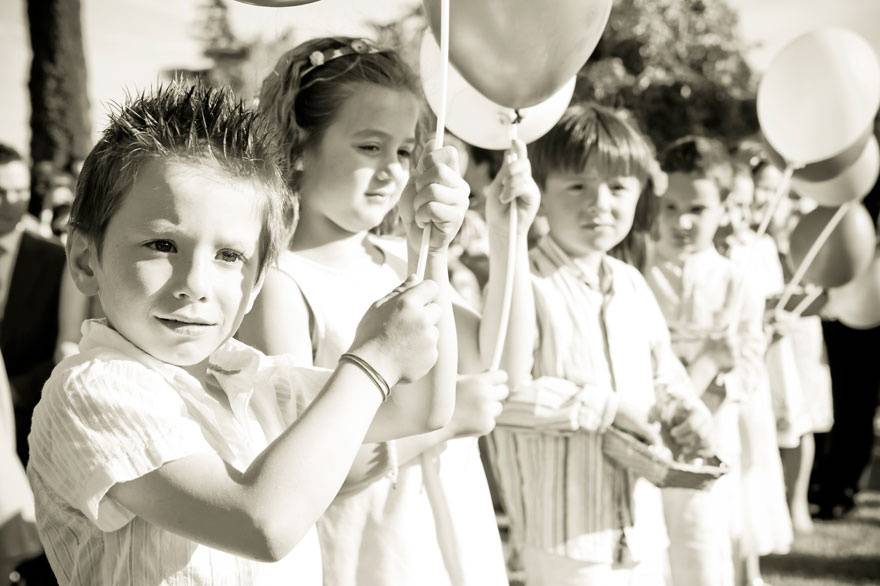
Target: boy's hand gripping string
<point>507,298</point>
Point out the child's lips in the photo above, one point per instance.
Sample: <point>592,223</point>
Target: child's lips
<point>593,225</point>
<point>187,326</point>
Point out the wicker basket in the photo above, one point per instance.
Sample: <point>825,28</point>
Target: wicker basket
<point>633,454</point>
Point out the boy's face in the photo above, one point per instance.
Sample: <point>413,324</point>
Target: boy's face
<point>690,212</point>
<point>739,202</point>
<point>180,257</point>
<point>588,212</point>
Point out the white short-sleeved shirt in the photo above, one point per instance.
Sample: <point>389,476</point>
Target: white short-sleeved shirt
<point>113,413</point>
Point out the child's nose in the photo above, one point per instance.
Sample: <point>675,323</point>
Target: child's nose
<point>685,221</point>
<point>194,280</point>
<point>602,199</point>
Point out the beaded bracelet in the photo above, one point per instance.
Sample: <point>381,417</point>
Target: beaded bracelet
<point>371,373</point>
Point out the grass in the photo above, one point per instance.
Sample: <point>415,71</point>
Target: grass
<point>837,553</point>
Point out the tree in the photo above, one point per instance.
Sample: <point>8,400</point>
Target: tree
<point>60,127</point>
<point>679,65</point>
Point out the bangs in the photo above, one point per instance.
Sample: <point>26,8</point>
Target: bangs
<point>590,136</point>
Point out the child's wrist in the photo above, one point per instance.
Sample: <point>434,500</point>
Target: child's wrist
<point>378,358</point>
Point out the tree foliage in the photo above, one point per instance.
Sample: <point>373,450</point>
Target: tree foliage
<point>679,65</point>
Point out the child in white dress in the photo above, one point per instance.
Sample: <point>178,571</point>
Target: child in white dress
<point>715,332</point>
<point>418,510</point>
<point>766,521</point>
<point>161,453</point>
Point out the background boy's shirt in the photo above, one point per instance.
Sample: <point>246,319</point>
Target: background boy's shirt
<point>602,338</point>
<point>706,294</point>
<point>113,413</point>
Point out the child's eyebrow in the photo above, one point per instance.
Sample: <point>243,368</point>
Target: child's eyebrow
<point>160,225</point>
<point>381,133</point>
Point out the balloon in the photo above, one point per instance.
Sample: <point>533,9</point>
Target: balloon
<point>817,100</point>
<point>857,304</point>
<point>518,53</point>
<point>844,255</point>
<point>853,183</point>
<point>276,3</point>
<point>476,119</point>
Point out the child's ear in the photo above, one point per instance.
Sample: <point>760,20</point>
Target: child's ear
<point>82,259</point>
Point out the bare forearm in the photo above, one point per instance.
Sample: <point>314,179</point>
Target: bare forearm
<point>264,511</point>
<point>518,346</point>
<point>294,480</point>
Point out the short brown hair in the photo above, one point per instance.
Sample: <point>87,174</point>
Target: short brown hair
<point>701,156</point>
<point>591,134</point>
<point>184,122</point>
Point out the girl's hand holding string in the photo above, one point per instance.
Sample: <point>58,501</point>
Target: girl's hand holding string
<point>514,183</point>
<point>437,195</point>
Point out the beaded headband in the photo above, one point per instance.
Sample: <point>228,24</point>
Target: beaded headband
<point>357,46</point>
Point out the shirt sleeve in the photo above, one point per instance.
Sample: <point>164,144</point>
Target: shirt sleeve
<point>106,422</point>
<point>296,386</point>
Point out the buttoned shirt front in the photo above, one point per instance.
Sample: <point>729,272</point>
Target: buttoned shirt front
<point>596,338</point>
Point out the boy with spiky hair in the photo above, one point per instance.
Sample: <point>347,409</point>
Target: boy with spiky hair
<point>161,453</point>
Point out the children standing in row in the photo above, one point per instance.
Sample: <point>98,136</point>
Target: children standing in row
<point>164,452</point>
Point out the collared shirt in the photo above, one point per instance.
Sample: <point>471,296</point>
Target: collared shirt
<point>9,242</point>
<point>603,338</point>
<point>705,295</point>
<point>113,413</point>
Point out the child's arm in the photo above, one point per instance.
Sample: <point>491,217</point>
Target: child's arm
<point>265,510</point>
<point>279,321</point>
<point>513,186</point>
<point>676,400</point>
<point>438,197</point>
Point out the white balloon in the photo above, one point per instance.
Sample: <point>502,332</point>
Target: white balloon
<point>854,183</point>
<point>819,95</point>
<point>476,119</point>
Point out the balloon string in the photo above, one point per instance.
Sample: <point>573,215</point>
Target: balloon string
<point>422,264</point>
<point>807,301</point>
<point>507,298</point>
<point>811,255</point>
<point>449,549</point>
<point>781,191</point>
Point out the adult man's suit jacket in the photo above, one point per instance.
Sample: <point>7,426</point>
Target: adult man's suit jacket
<point>30,326</point>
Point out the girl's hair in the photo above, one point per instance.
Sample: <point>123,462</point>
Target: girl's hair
<point>589,134</point>
<point>310,83</point>
<point>195,124</point>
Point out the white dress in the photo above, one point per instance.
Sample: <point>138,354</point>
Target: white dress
<point>386,532</point>
<point>766,525</point>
